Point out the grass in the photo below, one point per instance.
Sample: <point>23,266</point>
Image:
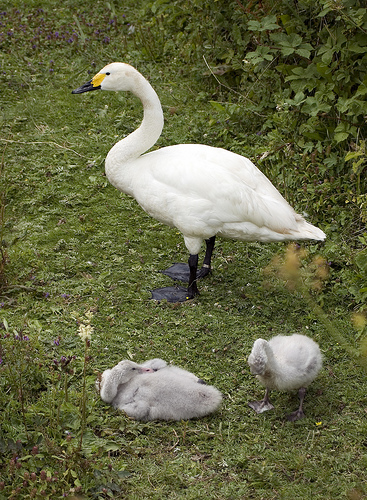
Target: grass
<point>73,244</point>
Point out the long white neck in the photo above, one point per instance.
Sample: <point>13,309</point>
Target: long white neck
<point>134,145</point>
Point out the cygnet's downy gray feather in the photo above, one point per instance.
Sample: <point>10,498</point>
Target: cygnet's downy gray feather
<point>157,391</point>
<point>285,363</point>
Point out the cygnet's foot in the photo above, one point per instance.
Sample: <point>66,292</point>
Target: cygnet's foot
<point>296,415</point>
<point>260,406</point>
<point>171,294</point>
<point>181,272</point>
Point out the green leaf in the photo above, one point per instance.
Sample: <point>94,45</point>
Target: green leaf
<point>351,155</point>
<point>111,446</point>
<point>217,106</point>
<point>327,56</point>
<point>361,260</point>
<point>341,136</point>
<point>361,90</point>
<point>304,52</point>
<point>254,26</point>
<point>286,21</point>
<point>123,473</point>
<point>343,131</point>
<point>268,23</point>
<point>260,55</point>
<point>299,97</point>
<point>325,11</point>
<point>357,164</point>
<point>358,49</point>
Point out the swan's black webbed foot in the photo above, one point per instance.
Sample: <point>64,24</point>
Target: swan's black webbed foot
<point>171,294</point>
<point>261,406</point>
<point>181,272</point>
<point>178,271</point>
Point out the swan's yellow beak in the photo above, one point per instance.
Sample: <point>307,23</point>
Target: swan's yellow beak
<point>98,79</point>
<point>93,84</point>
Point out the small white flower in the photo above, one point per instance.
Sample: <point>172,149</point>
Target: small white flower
<point>85,331</point>
<point>89,315</point>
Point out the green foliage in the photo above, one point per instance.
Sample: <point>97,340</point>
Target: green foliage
<point>312,55</point>
<point>359,286</point>
<point>38,417</point>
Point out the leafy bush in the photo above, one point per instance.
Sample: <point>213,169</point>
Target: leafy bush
<point>309,55</point>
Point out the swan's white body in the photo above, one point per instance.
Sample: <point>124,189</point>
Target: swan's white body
<point>201,190</point>
<point>284,363</point>
<point>157,391</point>
<point>205,191</point>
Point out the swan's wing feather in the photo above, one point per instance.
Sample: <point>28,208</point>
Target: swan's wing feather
<point>209,186</point>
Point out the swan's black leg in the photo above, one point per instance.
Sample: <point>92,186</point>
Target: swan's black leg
<point>192,289</point>
<point>206,268</point>
<point>181,271</point>
<point>180,294</point>
<point>188,273</point>
<point>263,405</point>
<point>298,414</point>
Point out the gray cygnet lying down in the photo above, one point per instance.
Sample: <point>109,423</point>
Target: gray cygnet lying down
<point>157,391</point>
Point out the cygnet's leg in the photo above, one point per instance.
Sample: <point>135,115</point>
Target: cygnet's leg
<point>263,405</point>
<point>298,414</point>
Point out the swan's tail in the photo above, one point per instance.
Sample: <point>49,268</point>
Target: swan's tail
<point>307,231</point>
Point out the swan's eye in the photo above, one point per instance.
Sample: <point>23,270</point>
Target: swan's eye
<point>108,73</point>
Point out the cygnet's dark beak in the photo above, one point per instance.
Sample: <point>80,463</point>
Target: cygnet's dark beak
<point>254,370</point>
<point>86,88</point>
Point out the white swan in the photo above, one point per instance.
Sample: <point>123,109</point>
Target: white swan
<point>285,363</point>
<point>201,190</point>
<point>157,391</point>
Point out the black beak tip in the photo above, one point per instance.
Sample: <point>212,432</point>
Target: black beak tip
<point>87,87</point>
